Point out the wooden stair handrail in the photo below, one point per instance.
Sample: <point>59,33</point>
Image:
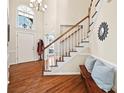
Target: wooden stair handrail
<point>66,32</point>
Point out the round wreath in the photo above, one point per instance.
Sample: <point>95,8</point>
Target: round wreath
<point>103,31</point>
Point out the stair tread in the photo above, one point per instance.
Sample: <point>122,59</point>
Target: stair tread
<point>79,46</point>
<point>84,41</point>
<point>54,66</point>
<point>72,51</point>
<point>47,71</point>
<point>60,61</point>
<point>66,56</point>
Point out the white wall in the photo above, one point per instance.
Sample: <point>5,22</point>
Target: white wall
<point>38,31</point>
<point>64,12</point>
<point>72,11</point>
<point>106,49</point>
<point>50,17</point>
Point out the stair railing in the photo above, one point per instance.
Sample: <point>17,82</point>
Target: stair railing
<point>67,42</point>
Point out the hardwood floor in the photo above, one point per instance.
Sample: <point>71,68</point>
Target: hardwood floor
<point>27,78</point>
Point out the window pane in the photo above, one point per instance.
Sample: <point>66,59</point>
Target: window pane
<point>25,22</point>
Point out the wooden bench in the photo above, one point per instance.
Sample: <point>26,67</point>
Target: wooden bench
<point>90,84</point>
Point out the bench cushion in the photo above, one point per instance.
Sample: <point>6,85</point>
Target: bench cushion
<point>103,76</point>
<point>89,63</point>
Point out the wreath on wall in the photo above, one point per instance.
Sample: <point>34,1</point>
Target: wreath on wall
<point>103,31</point>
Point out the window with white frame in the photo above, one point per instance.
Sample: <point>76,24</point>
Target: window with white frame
<point>25,17</point>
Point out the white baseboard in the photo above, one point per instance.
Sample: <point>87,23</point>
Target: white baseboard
<point>62,73</point>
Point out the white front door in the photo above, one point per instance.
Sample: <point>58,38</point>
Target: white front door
<point>25,47</point>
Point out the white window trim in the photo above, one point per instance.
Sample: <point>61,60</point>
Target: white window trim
<point>25,29</point>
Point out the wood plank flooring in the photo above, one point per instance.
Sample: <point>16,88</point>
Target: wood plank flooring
<point>28,78</point>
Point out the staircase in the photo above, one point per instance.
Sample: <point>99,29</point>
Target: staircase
<point>73,42</point>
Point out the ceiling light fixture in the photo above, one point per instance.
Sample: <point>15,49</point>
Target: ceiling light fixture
<point>38,5</point>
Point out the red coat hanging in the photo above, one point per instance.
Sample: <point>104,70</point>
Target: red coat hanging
<point>40,47</point>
